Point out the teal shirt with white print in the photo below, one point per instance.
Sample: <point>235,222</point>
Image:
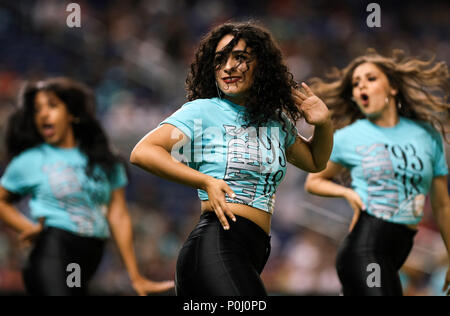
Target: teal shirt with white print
<point>392,168</point>
<point>60,190</point>
<point>252,161</point>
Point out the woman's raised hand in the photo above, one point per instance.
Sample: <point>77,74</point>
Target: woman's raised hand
<point>311,106</point>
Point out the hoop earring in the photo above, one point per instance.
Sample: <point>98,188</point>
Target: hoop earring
<point>218,90</point>
<point>399,105</point>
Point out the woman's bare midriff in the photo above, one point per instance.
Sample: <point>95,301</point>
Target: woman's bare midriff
<point>257,216</point>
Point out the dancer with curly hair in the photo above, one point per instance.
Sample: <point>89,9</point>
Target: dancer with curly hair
<point>388,111</point>
<point>60,155</point>
<point>237,132</point>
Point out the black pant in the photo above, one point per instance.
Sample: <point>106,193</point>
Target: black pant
<point>45,272</point>
<point>215,262</point>
<point>374,241</point>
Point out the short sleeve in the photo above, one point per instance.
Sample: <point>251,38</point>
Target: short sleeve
<point>186,118</point>
<point>292,131</point>
<point>337,152</point>
<point>18,176</point>
<point>118,177</point>
<point>440,167</point>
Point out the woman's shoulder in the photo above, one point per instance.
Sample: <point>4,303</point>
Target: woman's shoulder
<point>30,156</point>
<point>351,128</point>
<point>198,104</point>
<point>422,126</point>
<point>34,152</point>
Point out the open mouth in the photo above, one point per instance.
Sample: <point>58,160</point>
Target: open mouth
<point>48,130</point>
<point>230,80</point>
<point>364,99</point>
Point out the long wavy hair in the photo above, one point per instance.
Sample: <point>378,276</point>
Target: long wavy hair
<point>423,89</point>
<point>270,94</point>
<point>22,133</point>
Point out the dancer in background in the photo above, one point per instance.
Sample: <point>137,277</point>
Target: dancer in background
<point>388,112</point>
<point>59,154</point>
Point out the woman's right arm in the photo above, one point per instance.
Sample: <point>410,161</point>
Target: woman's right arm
<point>14,219</point>
<point>320,184</point>
<point>153,154</point>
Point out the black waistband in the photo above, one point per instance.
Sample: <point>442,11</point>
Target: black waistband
<point>389,226</point>
<point>244,226</point>
<point>62,233</point>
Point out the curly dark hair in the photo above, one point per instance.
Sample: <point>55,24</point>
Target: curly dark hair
<point>270,95</point>
<point>22,134</point>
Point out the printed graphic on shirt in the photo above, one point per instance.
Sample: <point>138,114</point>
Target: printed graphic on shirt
<point>393,174</point>
<point>66,188</point>
<point>250,154</point>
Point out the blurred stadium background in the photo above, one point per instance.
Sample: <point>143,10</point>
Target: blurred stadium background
<point>135,55</point>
